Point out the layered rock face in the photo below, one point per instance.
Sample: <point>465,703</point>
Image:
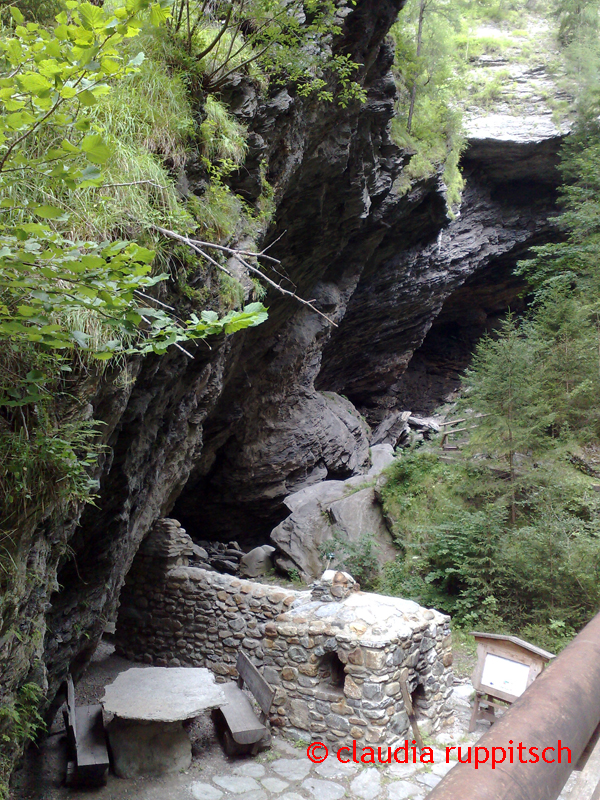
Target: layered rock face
<point>245,416</point>
<point>219,441</point>
<point>458,282</point>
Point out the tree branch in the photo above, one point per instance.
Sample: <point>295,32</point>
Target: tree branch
<point>237,254</point>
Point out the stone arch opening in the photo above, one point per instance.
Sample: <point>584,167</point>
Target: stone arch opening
<point>332,672</point>
<point>418,698</point>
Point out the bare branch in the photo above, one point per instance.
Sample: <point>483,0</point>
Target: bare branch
<point>237,254</point>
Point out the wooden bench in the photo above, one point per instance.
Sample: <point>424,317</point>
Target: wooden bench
<point>88,755</point>
<point>238,726</point>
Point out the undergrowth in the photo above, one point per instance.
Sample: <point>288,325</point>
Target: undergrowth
<point>20,721</point>
<point>461,552</point>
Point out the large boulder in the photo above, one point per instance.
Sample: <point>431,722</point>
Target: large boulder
<point>350,508</point>
<point>257,562</point>
<point>360,515</point>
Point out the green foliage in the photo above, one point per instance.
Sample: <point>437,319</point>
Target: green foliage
<point>53,79</point>
<point>19,722</point>
<point>268,40</point>
<point>222,137</point>
<point>517,548</point>
<point>499,386</point>
<point>462,553</point>
<point>358,558</point>
<point>428,70</point>
<point>34,10</point>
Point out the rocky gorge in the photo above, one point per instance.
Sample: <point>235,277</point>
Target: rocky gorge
<point>220,441</point>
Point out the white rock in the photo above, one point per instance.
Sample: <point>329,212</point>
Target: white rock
<point>236,784</point>
<point>441,768</point>
<point>204,791</point>
<point>401,770</point>
<point>332,768</point>
<point>162,694</point>
<point>324,790</point>
<point>291,768</point>
<point>428,779</point>
<point>259,794</point>
<point>401,790</point>
<point>292,796</point>
<point>250,770</point>
<point>367,784</point>
<point>275,785</point>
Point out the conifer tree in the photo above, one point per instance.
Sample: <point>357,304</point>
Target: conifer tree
<point>501,388</point>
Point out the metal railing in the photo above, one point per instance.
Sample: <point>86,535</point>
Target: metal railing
<point>561,706</point>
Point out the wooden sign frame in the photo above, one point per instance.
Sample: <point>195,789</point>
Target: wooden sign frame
<point>509,648</point>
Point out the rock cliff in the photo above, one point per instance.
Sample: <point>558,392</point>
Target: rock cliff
<point>242,424</point>
<point>219,441</point>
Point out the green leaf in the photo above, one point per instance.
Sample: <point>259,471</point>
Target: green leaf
<point>35,376</point>
<point>96,149</point>
<point>27,311</point>
<point>137,61</point>
<point>92,16</point>
<point>17,15</point>
<point>87,98</point>
<point>80,338</point>
<point>158,15</point>
<point>34,83</point>
<point>48,212</point>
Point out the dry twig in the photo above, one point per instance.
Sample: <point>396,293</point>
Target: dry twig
<point>198,246</point>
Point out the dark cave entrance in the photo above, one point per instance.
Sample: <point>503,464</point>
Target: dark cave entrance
<point>433,376</point>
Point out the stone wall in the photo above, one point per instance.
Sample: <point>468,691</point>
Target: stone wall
<point>336,656</point>
<point>366,704</point>
<point>175,615</point>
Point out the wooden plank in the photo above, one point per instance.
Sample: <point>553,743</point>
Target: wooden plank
<point>69,717</point>
<point>515,640</point>
<point>410,709</point>
<point>91,739</point>
<point>239,715</point>
<point>588,783</point>
<point>255,682</point>
<point>71,706</point>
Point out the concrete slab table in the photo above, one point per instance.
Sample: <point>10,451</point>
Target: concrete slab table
<point>146,735</point>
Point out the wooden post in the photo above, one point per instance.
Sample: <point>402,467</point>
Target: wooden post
<point>410,710</point>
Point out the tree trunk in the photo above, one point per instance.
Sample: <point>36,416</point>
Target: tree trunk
<point>413,94</point>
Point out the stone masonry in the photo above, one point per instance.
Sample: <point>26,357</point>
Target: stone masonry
<point>336,655</point>
<point>175,615</point>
